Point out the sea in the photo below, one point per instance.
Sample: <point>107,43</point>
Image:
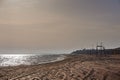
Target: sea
<point>17,57</point>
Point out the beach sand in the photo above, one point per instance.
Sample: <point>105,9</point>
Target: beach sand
<point>73,67</point>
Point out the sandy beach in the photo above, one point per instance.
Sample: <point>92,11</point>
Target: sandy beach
<point>73,67</point>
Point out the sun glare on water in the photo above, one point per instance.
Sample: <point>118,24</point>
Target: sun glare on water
<point>13,55</point>
<point>13,59</point>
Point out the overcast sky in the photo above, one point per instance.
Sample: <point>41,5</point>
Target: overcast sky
<point>59,24</point>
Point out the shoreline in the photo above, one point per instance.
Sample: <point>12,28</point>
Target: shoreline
<point>73,67</point>
<point>58,58</point>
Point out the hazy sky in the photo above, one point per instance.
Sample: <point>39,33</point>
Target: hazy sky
<point>59,24</point>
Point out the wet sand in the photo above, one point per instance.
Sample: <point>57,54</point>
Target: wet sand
<point>73,67</point>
